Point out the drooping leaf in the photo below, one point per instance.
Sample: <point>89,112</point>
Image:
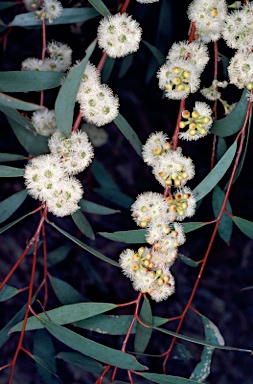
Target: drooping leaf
<point>129,133</point>
<point>12,102</point>
<point>107,69</point>
<point>134,236</point>
<point>58,254</point>
<point>167,379</point>
<point>65,292</point>
<point>212,333</point>
<point>65,102</point>
<point>234,121</point>
<point>189,227</point>
<point>221,148</point>
<point>83,224</point>
<point>114,325</point>
<point>3,229</point>
<point>81,361</point>
<point>182,353</point>
<point>143,334</point>
<point>44,355</point>
<point>245,226</point>
<point>92,349</point>
<point>85,246</point>
<point>11,157</point>
<point>27,81</point>
<point>126,63</point>
<point>155,52</point>
<point>100,7</point>
<point>11,204</point>
<point>212,179</point>
<point>187,261</point>
<point>7,292</point>
<point>6,171</point>
<point>226,223</point>
<point>14,115</point>
<point>90,207</point>
<point>68,16</point>
<point>66,314</point>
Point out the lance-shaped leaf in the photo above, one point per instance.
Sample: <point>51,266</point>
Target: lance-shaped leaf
<point>7,226</point>
<point>65,292</point>
<point>66,314</point>
<point>187,261</point>
<point>189,227</point>
<point>11,204</point>
<point>27,81</point>
<point>44,355</point>
<point>143,334</point>
<point>234,121</point>
<point>245,226</point>
<point>68,16</point>
<point>100,7</point>
<point>11,157</point>
<point>7,292</point>
<point>58,254</point>
<point>129,133</point>
<point>212,179</point>
<point>107,69</point>
<point>81,361</point>
<point>226,223</point>
<point>6,171</point>
<point>65,102</point>
<point>12,102</point>
<point>212,334</point>
<point>85,246</point>
<point>92,349</point>
<point>155,52</point>
<point>14,115</point>
<point>83,224</point>
<point>221,148</point>
<point>166,379</point>
<point>126,63</point>
<point>90,207</point>
<point>131,237</point>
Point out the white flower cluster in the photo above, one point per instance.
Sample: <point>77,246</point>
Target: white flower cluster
<point>147,1</point>
<point>31,5</point>
<point>59,60</point>
<point>212,93</point>
<point>44,122</point>
<point>49,178</point>
<point>240,69</point>
<point>97,103</point>
<point>180,75</point>
<point>119,35</point>
<point>50,9</point>
<point>209,17</point>
<point>149,268</point>
<point>198,123</point>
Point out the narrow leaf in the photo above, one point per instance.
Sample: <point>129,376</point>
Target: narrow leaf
<point>226,223</point>
<point>132,237</point>
<point>11,204</point>
<point>6,171</point>
<point>234,121</point>
<point>14,115</point>
<point>45,366</point>
<point>221,148</point>
<point>58,254</point>
<point>27,81</point>
<point>155,52</point>
<point>65,102</point>
<point>187,261</point>
<point>3,229</point>
<point>7,292</point>
<point>85,246</point>
<point>83,224</point>
<point>100,7</point>
<point>11,157</point>
<point>12,102</point>
<point>189,227</point>
<point>166,379</point>
<point>44,355</point>
<point>126,63</point>
<point>211,180</point>
<point>90,207</point>
<point>107,69</point>
<point>65,292</point>
<point>245,226</point>
<point>65,314</point>
<point>143,334</point>
<point>81,361</point>
<point>129,133</point>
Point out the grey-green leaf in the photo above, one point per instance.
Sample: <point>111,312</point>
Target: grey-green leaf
<point>192,226</point>
<point>211,180</point>
<point>11,157</point>
<point>65,292</point>
<point>100,7</point>
<point>135,236</point>
<point>66,314</point>
<point>83,224</point>
<point>126,63</point>
<point>44,355</point>
<point>27,81</point>
<point>245,226</point>
<point>129,133</point>
<point>167,379</point>
<point>3,229</point>
<point>90,207</point>
<point>81,361</point>
<point>12,102</point>
<point>65,102</point>
<point>7,292</point>
<point>221,148</point>
<point>155,52</point>
<point>11,204</point>
<point>58,254</point>
<point>107,69</point>
<point>143,334</point>
<point>226,223</point>
<point>187,261</point>
<point>6,171</point>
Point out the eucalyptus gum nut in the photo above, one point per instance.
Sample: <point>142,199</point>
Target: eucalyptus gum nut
<point>168,87</point>
<point>192,126</point>
<point>195,114</point>
<point>143,224</point>
<point>177,183</point>
<point>182,124</point>
<point>186,114</point>
<point>176,70</point>
<point>167,146</point>
<point>180,87</point>
<point>166,278</point>
<point>160,282</point>
<point>192,132</point>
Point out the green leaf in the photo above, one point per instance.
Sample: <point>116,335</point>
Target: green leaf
<point>100,7</point>
<point>245,226</point>
<point>113,325</point>
<point>226,223</point>
<point>135,236</point>
<point>211,180</point>
<point>11,157</point>
<point>65,315</point>
<point>83,224</point>
<point>166,379</point>
<point>182,353</point>
<point>221,148</point>
<point>6,171</point>
<point>7,292</point>
<point>27,81</point>
<point>234,121</point>
<point>68,16</point>
<point>155,52</point>
<point>14,115</point>
<point>81,361</point>
<point>3,229</point>
<point>92,349</point>
<point>65,102</point>
<point>107,69</point>
<point>6,4</point>
<point>85,246</point>
<point>11,204</point>
<point>65,292</point>
<point>212,333</point>
<point>12,102</point>
<point>44,355</point>
<point>129,133</point>
<point>189,227</point>
<point>143,334</point>
<point>187,261</point>
<point>58,254</point>
<point>90,207</point>
<point>225,62</point>
<point>126,63</point>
